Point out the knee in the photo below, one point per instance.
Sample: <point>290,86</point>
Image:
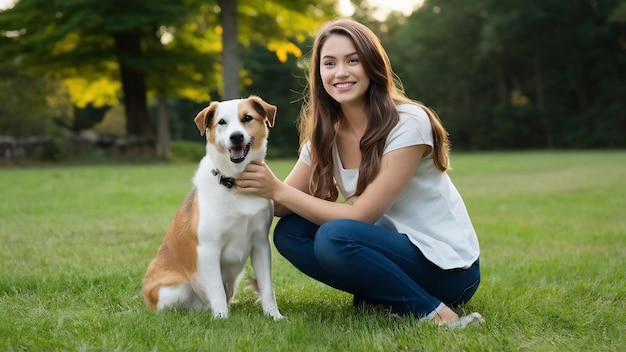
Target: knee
<point>335,230</point>
<point>331,239</point>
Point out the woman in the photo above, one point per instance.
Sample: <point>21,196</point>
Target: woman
<point>403,239</point>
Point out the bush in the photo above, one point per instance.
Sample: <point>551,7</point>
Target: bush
<point>187,151</point>
<point>56,148</point>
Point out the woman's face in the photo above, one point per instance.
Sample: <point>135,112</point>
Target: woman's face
<point>341,71</point>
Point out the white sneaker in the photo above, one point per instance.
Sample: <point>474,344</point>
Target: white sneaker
<point>466,320</point>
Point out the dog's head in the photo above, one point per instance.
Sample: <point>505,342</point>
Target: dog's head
<point>236,130</point>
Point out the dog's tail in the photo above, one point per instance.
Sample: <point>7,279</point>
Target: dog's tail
<point>150,294</point>
<point>151,288</point>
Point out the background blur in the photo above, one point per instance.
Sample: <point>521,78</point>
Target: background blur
<point>90,79</point>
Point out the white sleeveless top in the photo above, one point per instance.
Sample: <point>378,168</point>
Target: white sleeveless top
<point>430,211</point>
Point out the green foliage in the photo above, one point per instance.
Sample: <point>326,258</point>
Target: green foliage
<point>514,74</point>
<point>187,151</point>
<point>78,240</point>
<point>29,104</point>
<point>90,44</point>
<point>180,40</point>
<point>121,50</point>
<point>278,25</point>
<point>500,75</point>
<point>281,25</point>
<point>56,148</point>
<point>518,74</point>
<point>619,14</point>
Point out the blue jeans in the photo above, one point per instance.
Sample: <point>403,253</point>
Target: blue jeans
<point>376,264</point>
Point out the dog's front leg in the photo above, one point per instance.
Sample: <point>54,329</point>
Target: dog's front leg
<point>261,258</point>
<point>210,278</point>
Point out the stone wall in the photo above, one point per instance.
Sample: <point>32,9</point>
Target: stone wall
<point>15,149</point>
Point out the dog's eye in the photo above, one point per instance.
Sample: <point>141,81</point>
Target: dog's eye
<point>221,122</point>
<point>247,118</point>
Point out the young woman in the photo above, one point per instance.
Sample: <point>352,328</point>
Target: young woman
<point>403,239</point>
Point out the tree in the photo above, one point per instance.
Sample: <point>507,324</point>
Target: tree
<point>165,47</point>
<point>518,74</point>
<point>435,53</point>
<point>90,38</point>
<point>46,103</point>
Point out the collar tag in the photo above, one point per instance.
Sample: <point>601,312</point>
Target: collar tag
<point>227,182</point>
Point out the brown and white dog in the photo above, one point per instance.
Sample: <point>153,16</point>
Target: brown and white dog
<point>216,227</point>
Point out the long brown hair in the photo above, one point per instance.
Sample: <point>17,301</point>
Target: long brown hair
<point>321,113</point>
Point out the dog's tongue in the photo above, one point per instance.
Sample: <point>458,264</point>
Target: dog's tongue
<point>237,155</point>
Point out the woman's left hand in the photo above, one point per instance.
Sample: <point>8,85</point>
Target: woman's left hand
<point>257,178</point>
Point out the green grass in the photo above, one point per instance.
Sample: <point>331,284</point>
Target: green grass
<point>75,243</point>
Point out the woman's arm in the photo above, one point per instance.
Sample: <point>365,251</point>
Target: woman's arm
<point>396,170</point>
<point>298,178</point>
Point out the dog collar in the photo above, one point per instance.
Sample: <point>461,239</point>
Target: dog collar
<point>228,182</point>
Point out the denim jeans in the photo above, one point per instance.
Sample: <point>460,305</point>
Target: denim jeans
<point>376,264</point>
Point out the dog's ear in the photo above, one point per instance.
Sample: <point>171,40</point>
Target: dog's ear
<point>204,117</point>
<point>270,110</point>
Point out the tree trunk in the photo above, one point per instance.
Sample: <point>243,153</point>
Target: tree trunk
<point>230,49</point>
<point>163,126</point>
<point>128,50</point>
<point>503,92</point>
<point>541,103</point>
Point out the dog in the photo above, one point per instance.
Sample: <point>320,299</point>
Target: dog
<point>216,228</point>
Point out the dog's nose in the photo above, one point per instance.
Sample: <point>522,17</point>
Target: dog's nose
<point>236,138</point>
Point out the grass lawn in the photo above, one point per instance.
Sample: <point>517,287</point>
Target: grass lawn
<point>75,242</point>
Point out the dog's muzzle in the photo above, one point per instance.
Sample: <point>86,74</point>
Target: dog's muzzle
<point>238,150</point>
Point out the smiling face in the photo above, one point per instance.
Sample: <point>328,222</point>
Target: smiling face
<point>236,130</point>
<point>341,70</point>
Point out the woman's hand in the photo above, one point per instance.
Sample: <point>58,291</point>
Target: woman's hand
<point>258,179</point>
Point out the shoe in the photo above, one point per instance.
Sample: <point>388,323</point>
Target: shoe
<point>473,319</point>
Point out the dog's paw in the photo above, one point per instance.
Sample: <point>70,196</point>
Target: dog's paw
<point>275,314</point>
<point>220,314</point>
